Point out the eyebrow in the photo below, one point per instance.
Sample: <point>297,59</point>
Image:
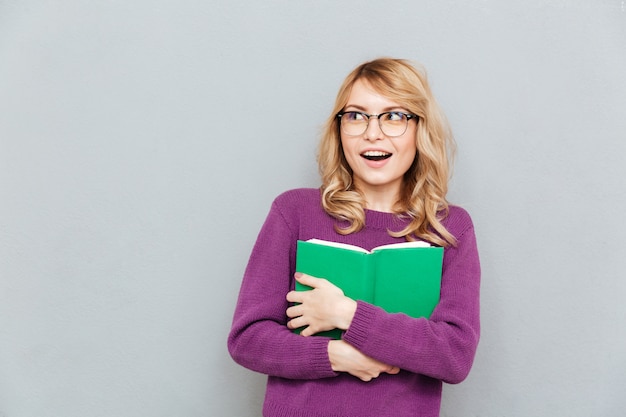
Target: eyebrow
<point>386,109</point>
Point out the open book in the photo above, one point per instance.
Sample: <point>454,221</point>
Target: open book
<point>400,278</point>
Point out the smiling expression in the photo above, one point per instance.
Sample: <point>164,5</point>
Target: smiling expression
<point>378,162</point>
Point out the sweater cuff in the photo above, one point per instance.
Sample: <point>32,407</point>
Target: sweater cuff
<point>319,357</point>
<point>364,315</point>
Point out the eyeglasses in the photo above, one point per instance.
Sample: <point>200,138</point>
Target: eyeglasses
<point>392,123</point>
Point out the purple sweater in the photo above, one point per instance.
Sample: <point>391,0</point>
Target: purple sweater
<point>301,382</point>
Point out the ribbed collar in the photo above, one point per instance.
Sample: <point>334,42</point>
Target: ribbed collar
<point>383,220</point>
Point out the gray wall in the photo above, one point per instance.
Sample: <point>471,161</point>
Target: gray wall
<point>142,142</point>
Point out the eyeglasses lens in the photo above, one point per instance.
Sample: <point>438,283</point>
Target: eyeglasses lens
<point>391,123</point>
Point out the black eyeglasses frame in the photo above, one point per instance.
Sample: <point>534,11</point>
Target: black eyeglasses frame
<point>408,116</point>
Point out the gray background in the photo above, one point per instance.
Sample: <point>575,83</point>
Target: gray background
<point>141,144</point>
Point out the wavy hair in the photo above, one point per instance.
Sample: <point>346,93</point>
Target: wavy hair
<point>423,195</point>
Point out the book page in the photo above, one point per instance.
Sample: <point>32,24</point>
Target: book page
<point>402,245</point>
<point>338,245</point>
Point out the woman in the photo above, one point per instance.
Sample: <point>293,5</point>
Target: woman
<point>383,159</point>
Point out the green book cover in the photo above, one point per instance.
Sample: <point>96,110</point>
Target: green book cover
<point>400,278</point>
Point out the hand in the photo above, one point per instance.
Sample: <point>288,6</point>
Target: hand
<point>325,307</point>
<point>346,358</point>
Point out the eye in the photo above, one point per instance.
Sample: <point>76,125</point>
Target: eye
<point>395,116</point>
<point>353,116</point>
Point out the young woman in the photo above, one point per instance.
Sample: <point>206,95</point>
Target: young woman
<point>384,164</point>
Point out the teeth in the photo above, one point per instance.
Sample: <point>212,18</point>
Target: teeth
<point>376,153</point>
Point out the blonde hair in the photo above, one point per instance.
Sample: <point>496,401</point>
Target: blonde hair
<point>423,196</point>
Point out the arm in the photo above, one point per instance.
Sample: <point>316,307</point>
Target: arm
<point>442,347</point>
<point>259,338</point>
<point>325,307</point>
<point>346,358</point>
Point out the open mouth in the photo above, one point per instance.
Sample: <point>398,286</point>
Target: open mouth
<point>375,155</point>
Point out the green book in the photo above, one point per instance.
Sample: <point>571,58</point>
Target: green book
<point>400,278</point>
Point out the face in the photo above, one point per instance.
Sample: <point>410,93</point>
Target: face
<point>378,162</point>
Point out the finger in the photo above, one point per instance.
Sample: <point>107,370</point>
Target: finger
<point>309,281</point>
<point>313,327</point>
<point>295,296</point>
<point>367,377</point>
<point>393,370</point>
<point>307,331</point>
<point>296,323</point>
<point>294,311</point>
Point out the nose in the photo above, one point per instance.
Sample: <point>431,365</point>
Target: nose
<point>373,131</point>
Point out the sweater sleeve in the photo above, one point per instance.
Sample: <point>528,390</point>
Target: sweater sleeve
<point>259,338</point>
<point>444,346</point>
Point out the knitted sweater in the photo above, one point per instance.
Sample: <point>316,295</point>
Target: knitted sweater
<point>301,382</point>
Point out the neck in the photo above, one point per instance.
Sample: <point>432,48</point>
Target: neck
<point>381,199</point>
